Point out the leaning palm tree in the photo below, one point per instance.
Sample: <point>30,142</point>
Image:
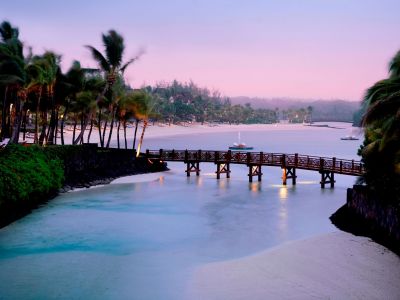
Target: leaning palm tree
<point>110,63</point>
<point>381,148</point>
<point>144,110</point>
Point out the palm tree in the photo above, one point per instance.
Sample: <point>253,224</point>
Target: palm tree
<point>144,110</point>
<point>110,64</point>
<point>11,69</point>
<point>381,148</point>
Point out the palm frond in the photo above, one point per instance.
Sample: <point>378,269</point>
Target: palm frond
<point>101,60</point>
<point>394,66</point>
<point>382,109</point>
<point>114,47</point>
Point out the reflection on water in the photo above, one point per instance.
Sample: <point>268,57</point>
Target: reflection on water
<point>283,193</point>
<point>142,240</point>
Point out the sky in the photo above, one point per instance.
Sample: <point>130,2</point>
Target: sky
<point>308,49</point>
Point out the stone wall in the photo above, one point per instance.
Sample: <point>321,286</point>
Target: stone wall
<point>90,165</point>
<point>382,216</point>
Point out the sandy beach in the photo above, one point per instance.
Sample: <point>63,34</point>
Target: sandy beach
<point>331,266</point>
<point>164,130</point>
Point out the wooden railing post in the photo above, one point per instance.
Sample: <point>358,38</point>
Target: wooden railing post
<point>229,156</point>
<point>173,154</point>
<point>352,165</point>
<point>161,153</point>
<point>216,158</point>
<point>147,153</point>
<point>186,155</point>
<point>283,161</point>
<point>321,164</point>
<point>248,158</point>
<point>199,155</point>
<point>333,164</point>
<point>296,159</point>
<point>341,166</point>
<point>261,157</point>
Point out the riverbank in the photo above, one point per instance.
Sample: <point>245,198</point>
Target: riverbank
<point>332,266</point>
<point>31,176</point>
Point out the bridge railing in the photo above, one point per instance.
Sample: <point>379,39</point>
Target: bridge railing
<point>343,166</point>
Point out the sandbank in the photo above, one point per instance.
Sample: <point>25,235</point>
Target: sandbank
<point>337,265</point>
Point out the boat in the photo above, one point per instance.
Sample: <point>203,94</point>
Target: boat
<point>240,145</point>
<point>349,138</point>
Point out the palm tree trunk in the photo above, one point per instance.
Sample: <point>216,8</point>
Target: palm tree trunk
<point>111,127</point>
<point>141,137</point>
<point>134,136</point>
<point>119,125</point>
<point>25,112</point>
<point>104,132</point>
<point>82,120</point>
<point>63,121</point>
<point>126,143</point>
<point>4,116</point>
<point>98,99</point>
<point>52,125</point>
<point>99,125</point>
<point>56,130</point>
<point>44,127</point>
<point>74,142</point>
<point>36,139</point>
<point>90,130</point>
<point>17,121</point>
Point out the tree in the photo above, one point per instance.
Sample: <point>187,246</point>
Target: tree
<point>111,65</point>
<point>381,148</point>
<point>144,110</point>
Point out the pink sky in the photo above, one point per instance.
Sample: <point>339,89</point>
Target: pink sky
<point>301,49</point>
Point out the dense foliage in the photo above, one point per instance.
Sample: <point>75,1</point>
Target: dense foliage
<point>28,174</point>
<point>186,102</point>
<point>381,148</point>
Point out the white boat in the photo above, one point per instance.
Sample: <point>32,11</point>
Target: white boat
<point>349,138</point>
<point>240,145</point>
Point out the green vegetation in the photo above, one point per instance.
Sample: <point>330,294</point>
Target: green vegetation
<point>381,148</point>
<point>28,175</point>
<point>177,102</point>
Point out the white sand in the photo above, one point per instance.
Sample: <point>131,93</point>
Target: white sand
<point>332,266</point>
<point>138,178</point>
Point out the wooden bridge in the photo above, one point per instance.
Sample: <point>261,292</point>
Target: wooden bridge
<point>289,163</point>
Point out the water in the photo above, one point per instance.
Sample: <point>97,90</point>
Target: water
<point>142,240</point>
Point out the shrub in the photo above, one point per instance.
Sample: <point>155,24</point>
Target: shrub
<point>28,175</point>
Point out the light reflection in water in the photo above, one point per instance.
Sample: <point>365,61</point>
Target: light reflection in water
<point>255,187</point>
<point>283,193</point>
<point>223,184</point>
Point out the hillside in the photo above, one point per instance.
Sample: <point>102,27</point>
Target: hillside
<point>323,110</point>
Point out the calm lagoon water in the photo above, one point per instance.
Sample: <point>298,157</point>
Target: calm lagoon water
<point>143,240</point>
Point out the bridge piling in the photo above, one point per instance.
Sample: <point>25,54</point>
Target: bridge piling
<point>327,177</point>
<point>289,173</point>
<point>254,170</point>
<point>223,168</point>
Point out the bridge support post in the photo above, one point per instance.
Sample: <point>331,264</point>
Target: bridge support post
<point>289,173</point>
<point>327,177</point>
<point>192,166</point>
<point>223,168</point>
<point>254,170</point>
